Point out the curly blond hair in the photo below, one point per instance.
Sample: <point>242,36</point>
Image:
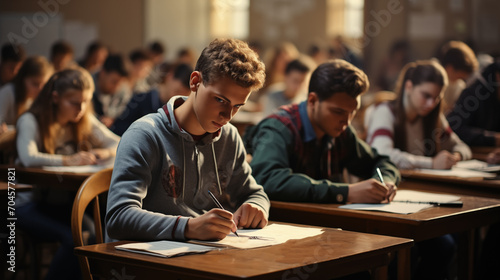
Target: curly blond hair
<point>233,59</point>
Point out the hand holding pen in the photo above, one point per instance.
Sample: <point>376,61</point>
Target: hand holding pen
<point>391,187</point>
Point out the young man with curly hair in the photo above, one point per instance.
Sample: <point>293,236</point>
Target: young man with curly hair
<point>300,152</point>
<point>168,161</point>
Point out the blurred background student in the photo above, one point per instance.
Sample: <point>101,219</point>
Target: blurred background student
<point>476,115</point>
<point>412,129</point>
<point>61,56</point>
<point>10,61</point>
<point>94,57</point>
<point>112,92</point>
<point>16,97</point>
<point>295,86</point>
<point>175,81</point>
<point>142,64</point>
<point>59,129</point>
<point>460,64</point>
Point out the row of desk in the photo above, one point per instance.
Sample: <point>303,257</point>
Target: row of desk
<point>369,240</point>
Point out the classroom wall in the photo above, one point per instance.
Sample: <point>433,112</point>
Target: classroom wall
<point>300,22</point>
<point>118,23</point>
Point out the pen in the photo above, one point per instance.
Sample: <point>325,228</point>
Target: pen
<point>380,176</point>
<point>218,205</point>
<point>443,204</point>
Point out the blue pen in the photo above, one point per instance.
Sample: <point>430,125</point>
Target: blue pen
<point>219,205</point>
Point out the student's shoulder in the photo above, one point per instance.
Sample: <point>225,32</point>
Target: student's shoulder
<point>7,91</point>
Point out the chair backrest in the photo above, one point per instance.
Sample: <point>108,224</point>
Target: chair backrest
<point>89,192</point>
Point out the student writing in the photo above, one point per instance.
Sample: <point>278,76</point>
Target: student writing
<point>167,161</point>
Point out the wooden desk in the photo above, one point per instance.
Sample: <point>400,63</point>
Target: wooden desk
<point>423,225</point>
<point>415,180</point>
<point>331,254</point>
<point>39,176</point>
<point>4,186</point>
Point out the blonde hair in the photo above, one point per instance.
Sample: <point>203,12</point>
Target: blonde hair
<point>45,109</point>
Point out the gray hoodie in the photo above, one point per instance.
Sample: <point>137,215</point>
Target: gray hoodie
<point>162,176</point>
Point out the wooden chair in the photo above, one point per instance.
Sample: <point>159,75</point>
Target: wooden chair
<point>89,192</point>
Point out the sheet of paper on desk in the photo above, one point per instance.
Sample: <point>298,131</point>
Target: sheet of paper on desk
<point>457,172</point>
<point>270,235</point>
<point>405,207</point>
<point>82,168</point>
<point>478,165</point>
<point>164,248</point>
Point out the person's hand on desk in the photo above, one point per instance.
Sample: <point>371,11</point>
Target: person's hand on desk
<point>493,157</point>
<point>80,158</point>
<point>3,128</point>
<point>215,224</point>
<point>102,154</point>
<point>250,216</point>
<point>445,160</point>
<point>371,191</point>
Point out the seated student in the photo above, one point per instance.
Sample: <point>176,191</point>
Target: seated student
<point>112,92</point>
<point>460,63</point>
<point>16,97</point>
<point>159,187</point>
<point>59,129</point>
<point>11,59</point>
<point>294,91</point>
<point>412,129</point>
<point>476,116</point>
<point>61,56</point>
<point>94,57</point>
<point>157,53</point>
<point>300,152</point>
<point>142,64</point>
<point>175,82</point>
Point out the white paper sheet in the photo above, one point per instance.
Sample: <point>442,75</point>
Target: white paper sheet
<point>405,207</point>
<point>457,172</point>
<point>478,165</point>
<point>82,168</point>
<point>164,248</point>
<point>271,235</point>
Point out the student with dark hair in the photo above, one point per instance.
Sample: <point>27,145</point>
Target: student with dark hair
<point>11,60</point>
<point>61,55</point>
<point>174,82</point>
<point>412,130</point>
<point>294,91</point>
<point>112,92</point>
<point>94,57</point>
<point>460,63</point>
<point>142,64</point>
<point>157,53</point>
<point>476,115</point>
<point>300,152</point>
<point>168,161</point>
<point>16,97</point>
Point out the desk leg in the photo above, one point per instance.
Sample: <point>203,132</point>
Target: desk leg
<point>404,265</point>
<point>466,255</point>
<point>380,273</point>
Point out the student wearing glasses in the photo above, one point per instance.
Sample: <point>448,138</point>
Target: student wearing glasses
<point>412,130</point>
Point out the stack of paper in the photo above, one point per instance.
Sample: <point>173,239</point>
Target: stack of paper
<point>478,165</point>
<point>164,249</point>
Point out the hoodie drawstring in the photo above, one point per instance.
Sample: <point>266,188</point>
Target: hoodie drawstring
<point>216,171</point>
<point>183,169</point>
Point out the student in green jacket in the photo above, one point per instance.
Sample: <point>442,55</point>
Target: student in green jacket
<point>300,152</point>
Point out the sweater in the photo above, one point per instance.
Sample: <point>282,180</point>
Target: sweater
<point>380,136</point>
<point>140,105</point>
<point>293,165</point>
<point>476,115</point>
<point>161,177</point>
<point>7,105</point>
